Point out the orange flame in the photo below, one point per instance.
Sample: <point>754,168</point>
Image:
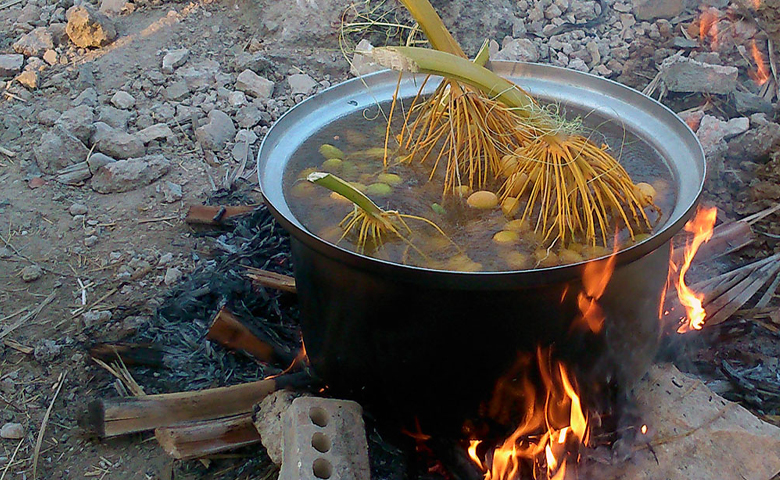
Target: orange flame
<point>553,424</point>
<point>708,26</point>
<point>595,278</point>
<point>701,227</point>
<point>761,74</point>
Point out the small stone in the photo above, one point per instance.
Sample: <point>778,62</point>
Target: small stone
<point>28,78</point>
<point>215,134</point>
<point>11,64</point>
<point>757,143</point>
<point>252,84</point>
<point>114,117</point>
<point>165,259</point>
<point>157,131</point>
<point>681,74</point>
<point>120,145</point>
<point>172,275</point>
<point>172,192</point>
<point>123,100</point>
<point>47,350</point>
<point>58,149</point>
<point>246,136</point>
<point>518,50</point>
<point>6,252</point>
<point>12,431</point>
<point>90,241</point>
<point>240,151</point>
<point>78,121</point>
<point>237,99</point>
<point>97,160</point>
<point>653,9</point>
<point>33,44</point>
<point>177,90</point>
<point>174,59</point>
<point>268,418</point>
<point>78,209</point>
<point>747,103</point>
<point>31,273</point>
<point>112,7</point>
<point>50,57</point>
<point>96,317</point>
<point>300,83</point>
<point>125,175</point>
<point>87,97</point>
<point>88,28</point>
<point>48,117</point>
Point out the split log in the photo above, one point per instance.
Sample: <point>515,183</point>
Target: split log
<point>227,330</point>
<point>278,281</point>
<point>130,353</point>
<point>215,214</point>
<point>199,439</point>
<point>119,416</point>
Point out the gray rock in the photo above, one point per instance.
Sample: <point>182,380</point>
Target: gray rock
<point>682,74</point>
<point>654,9</point>
<point>31,273</point>
<point>114,117</point>
<point>88,28</point>
<point>240,151</point>
<point>165,259</point>
<point>78,121</point>
<point>94,318</point>
<point>268,418</point>
<point>126,175</point>
<point>177,90</point>
<point>172,275</point>
<point>75,174</point>
<point>47,350</point>
<point>157,131</point>
<point>252,84</point>
<point>172,192</point>
<point>300,83</point>
<point>123,100</point>
<point>200,75</point>
<point>30,14</point>
<point>112,7</point>
<point>249,116</point>
<point>747,103</point>
<point>11,64</point>
<point>237,99</point>
<point>48,117</point>
<point>174,59</point>
<point>362,63</point>
<point>518,50</point>
<point>120,145</point>
<point>755,144</point>
<point>217,132</point>
<point>90,241</point>
<point>12,431</point>
<point>33,44</point>
<point>97,160</point>
<point>78,209</point>
<point>101,129</point>
<point>87,97</point>
<point>246,136</point>
<point>57,149</point>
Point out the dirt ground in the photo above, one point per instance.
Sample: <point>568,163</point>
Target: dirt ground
<point>133,229</point>
<point>120,252</point>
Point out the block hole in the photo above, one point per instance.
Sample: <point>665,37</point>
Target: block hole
<point>322,468</point>
<point>320,442</point>
<point>319,416</point>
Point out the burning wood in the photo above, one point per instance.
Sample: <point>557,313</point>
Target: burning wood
<point>264,278</point>
<point>227,330</point>
<point>215,215</point>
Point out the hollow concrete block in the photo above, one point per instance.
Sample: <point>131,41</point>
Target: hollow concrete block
<point>324,439</point>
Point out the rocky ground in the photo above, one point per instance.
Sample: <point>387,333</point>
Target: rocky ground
<point>114,117</point>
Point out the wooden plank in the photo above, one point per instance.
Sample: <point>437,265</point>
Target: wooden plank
<point>119,416</point>
<point>200,439</point>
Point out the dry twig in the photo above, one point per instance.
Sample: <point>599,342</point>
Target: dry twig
<point>37,452</point>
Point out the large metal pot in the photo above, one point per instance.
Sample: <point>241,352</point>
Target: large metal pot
<point>414,342</point>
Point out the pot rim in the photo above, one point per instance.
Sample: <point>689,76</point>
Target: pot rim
<point>653,122</point>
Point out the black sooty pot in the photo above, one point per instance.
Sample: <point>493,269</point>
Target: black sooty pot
<point>411,342</point>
